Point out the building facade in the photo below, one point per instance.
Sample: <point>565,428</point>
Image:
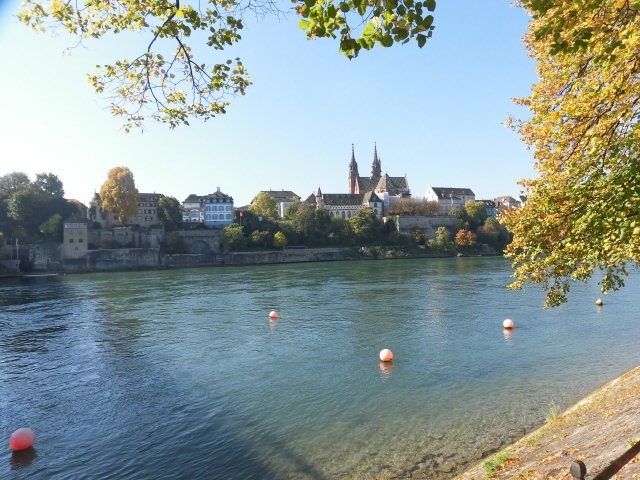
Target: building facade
<point>147,214</point>
<point>346,205</point>
<point>75,238</point>
<point>193,209</point>
<point>218,210</point>
<point>449,198</point>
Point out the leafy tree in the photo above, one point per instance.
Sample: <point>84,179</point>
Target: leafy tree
<point>119,194</point>
<point>442,241</point>
<point>49,184</point>
<point>465,238</point>
<point>31,205</point>
<point>365,226</point>
<point>302,217</point>
<point>494,234</point>
<point>279,240</point>
<point>12,182</point>
<point>411,206</point>
<point>582,213</point>
<point>476,213</point>
<point>52,227</point>
<point>265,205</point>
<point>233,236</point>
<point>261,238</point>
<point>170,213</point>
<point>166,82</point>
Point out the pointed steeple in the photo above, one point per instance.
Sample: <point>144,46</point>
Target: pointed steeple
<point>376,166</point>
<point>319,199</point>
<point>353,172</point>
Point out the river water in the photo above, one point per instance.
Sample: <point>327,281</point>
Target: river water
<point>181,374</point>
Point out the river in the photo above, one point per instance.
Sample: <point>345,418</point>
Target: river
<point>181,374</point>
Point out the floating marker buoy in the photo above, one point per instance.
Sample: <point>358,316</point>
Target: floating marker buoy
<point>21,439</point>
<point>599,302</point>
<point>386,355</point>
<point>508,323</point>
<point>273,315</point>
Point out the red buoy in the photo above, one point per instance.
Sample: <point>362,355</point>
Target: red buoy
<point>386,355</point>
<point>273,315</point>
<point>21,439</point>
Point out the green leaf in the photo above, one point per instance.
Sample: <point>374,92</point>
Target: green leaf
<point>304,24</point>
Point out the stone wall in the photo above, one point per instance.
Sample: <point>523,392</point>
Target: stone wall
<point>258,258</point>
<point>115,259</point>
<point>48,258</point>
<point>428,224</point>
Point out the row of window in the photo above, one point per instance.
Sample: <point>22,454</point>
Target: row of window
<point>216,216</point>
<point>215,208</point>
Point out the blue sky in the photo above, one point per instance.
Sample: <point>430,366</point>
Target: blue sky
<point>436,114</point>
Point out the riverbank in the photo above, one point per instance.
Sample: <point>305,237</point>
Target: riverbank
<point>602,431</point>
<point>50,259</point>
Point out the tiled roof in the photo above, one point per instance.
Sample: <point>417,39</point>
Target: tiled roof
<point>446,192</point>
<point>391,184</point>
<point>149,197</point>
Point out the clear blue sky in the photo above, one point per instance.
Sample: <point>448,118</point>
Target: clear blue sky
<point>436,113</point>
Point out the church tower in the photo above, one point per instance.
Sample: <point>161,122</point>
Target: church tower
<point>376,166</point>
<point>353,173</point>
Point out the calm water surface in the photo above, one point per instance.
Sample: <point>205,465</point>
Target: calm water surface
<point>180,374</point>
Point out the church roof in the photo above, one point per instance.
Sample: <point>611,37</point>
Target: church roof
<point>366,184</point>
<point>344,199</point>
<point>392,185</point>
<point>370,197</point>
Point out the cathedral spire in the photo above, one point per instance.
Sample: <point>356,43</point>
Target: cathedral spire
<point>353,172</point>
<point>376,166</point>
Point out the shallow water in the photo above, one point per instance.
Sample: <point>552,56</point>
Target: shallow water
<point>180,374</point>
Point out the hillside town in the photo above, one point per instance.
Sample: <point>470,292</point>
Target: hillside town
<point>377,191</point>
<point>445,219</point>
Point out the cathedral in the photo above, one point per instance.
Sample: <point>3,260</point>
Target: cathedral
<point>375,191</point>
<point>380,184</point>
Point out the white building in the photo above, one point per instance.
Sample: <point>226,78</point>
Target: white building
<point>449,198</point>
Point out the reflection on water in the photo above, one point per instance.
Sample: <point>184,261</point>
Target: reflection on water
<point>181,374</point>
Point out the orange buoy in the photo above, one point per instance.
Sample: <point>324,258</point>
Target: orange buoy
<point>386,355</point>
<point>273,315</point>
<point>21,439</point>
<point>508,323</point>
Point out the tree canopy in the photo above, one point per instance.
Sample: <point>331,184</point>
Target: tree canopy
<point>265,205</point>
<point>582,214</point>
<point>33,210</point>
<point>167,82</point>
<point>119,194</point>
